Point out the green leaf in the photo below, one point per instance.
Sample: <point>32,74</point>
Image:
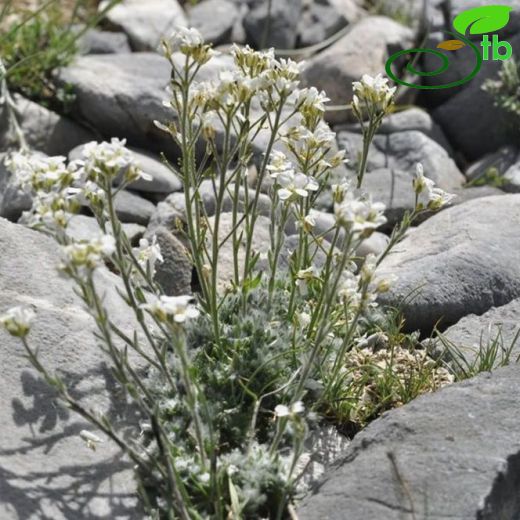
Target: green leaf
<point>482,20</point>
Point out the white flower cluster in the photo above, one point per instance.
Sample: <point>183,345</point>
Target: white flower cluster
<point>360,290</point>
<point>109,159</point>
<point>57,187</point>
<point>374,93</point>
<point>50,181</point>
<point>190,42</point>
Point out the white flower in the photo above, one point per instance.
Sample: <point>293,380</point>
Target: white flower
<point>90,439</point>
<point>148,254</point>
<point>291,185</point>
<point>428,195</point>
<point>17,321</point>
<point>282,410</point>
<point>179,308</point>
<point>359,215</point>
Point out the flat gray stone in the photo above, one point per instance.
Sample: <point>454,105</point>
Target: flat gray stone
<point>457,454</point>
<point>46,470</point>
<point>463,260</point>
<point>146,23</point>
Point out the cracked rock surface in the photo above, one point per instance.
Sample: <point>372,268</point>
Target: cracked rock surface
<point>455,455</point>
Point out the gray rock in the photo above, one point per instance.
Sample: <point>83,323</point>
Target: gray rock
<point>164,181</point>
<point>463,260</point>
<point>499,326</point>
<point>46,469</point>
<point>43,129</point>
<point>456,456</point>
<point>174,274</point>
<point>83,228</point>
<point>349,58</point>
<point>402,151</point>
<point>132,208</point>
<point>103,42</point>
<point>146,23</point>
<point>214,19</point>
<point>318,23</point>
<point>279,28</point>
<point>110,99</point>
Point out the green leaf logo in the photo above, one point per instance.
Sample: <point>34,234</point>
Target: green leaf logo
<point>482,20</point>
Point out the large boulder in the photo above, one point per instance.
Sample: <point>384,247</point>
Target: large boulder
<point>463,260</point>
<point>454,454</point>
<point>146,23</point>
<point>46,470</point>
